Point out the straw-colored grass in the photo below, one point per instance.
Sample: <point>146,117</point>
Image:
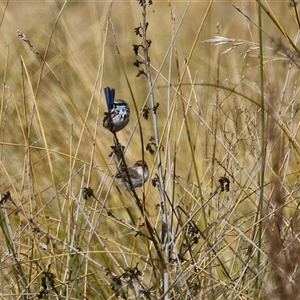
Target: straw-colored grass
<point>214,113</point>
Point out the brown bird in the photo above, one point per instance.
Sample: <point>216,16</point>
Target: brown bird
<point>139,173</point>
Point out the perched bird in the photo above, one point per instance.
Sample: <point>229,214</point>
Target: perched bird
<point>118,113</point>
<point>139,173</point>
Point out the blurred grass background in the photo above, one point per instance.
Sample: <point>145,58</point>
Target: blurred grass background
<point>240,243</point>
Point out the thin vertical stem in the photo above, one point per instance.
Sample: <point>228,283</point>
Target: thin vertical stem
<point>263,141</point>
<point>164,232</point>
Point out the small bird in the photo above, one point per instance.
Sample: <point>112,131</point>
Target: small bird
<point>139,173</point>
<point>118,113</point>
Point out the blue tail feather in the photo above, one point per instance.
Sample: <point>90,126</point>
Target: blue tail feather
<point>109,97</point>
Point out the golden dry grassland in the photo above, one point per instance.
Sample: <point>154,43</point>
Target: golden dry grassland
<point>213,90</point>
